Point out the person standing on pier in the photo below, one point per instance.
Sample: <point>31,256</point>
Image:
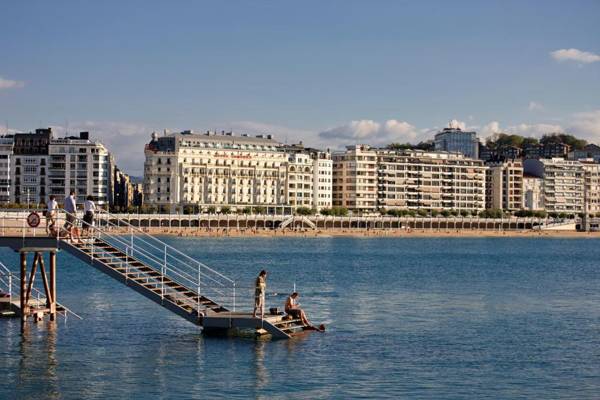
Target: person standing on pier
<point>71,209</point>
<point>259,293</point>
<point>51,208</point>
<point>88,214</point>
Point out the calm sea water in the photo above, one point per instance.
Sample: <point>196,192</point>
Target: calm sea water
<point>413,318</point>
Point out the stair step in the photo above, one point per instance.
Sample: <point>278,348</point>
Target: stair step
<point>292,328</point>
<point>138,271</point>
<point>283,322</point>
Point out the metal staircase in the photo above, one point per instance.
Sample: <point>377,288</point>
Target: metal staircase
<point>170,278</point>
<point>150,266</point>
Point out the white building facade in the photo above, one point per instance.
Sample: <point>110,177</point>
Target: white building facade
<point>188,169</point>
<point>414,179</point>
<point>41,165</point>
<point>563,183</point>
<point>322,180</point>
<point>6,157</point>
<point>533,193</point>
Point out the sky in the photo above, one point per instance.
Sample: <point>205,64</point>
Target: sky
<point>327,73</point>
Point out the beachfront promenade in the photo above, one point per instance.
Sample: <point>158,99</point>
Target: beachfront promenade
<point>203,222</point>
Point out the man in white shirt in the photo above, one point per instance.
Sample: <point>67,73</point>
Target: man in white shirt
<point>88,213</point>
<point>51,208</point>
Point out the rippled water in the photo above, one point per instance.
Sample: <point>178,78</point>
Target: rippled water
<point>416,318</point>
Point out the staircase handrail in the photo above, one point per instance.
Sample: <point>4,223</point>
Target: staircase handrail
<point>146,234</point>
<point>163,266</point>
<point>163,249</point>
<point>158,255</point>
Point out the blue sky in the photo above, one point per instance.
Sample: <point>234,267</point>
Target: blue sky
<point>325,72</point>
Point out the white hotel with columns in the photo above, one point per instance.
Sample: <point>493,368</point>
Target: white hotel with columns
<point>202,170</point>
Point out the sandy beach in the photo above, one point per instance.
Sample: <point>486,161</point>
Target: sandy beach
<point>195,232</point>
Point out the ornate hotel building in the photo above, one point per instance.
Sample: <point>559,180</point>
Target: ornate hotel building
<point>189,169</point>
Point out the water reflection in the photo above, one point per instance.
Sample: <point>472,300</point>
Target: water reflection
<point>38,364</point>
<point>261,372</point>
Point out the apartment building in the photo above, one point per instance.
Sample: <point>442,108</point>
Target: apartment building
<point>322,174</point>
<point>30,166</point>
<point>533,193</point>
<point>210,169</point>
<point>504,185</point>
<point>122,189</point>
<point>591,185</point>
<point>41,165</point>
<point>454,139</point>
<point>430,180</point>
<point>322,179</point>
<point>355,178</point>
<point>563,183</point>
<point>6,157</point>
<point>77,163</point>
<point>300,180</point>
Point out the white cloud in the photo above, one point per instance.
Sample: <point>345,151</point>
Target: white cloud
<point>10,84</point>
<point>256,127</point>
<point>535,130</point>
<point>4,130</point>
<point>586,125</point>
<point>575,55</point>
<point>489,129</point>
<point>371,132</point>
<point>535,106</point>
<point>125,140</point>
<point>457,124</point>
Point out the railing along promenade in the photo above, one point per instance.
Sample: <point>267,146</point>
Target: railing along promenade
<point>315,222</point>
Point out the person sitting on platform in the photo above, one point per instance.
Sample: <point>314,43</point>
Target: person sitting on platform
<point>292,307</point>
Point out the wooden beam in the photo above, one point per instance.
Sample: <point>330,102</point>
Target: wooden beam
<point>31,277</point>
<point>53,285</point>
<point>45,279</point>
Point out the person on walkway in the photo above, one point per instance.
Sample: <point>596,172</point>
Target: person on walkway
<point>292,307</point>
<point>89,209</point>
<point>259,293</point>
<point>71,209</point>
<point>51,209</point>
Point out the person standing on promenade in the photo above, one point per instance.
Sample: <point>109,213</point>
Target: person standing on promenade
<point>259,293</point>
<point>88,214</point>
<point>71,209</point>
<point>51,208</point>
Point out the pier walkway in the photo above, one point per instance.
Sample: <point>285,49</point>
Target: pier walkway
<point>158,271</point>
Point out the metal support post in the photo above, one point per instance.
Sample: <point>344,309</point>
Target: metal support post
<point>53,285</point>
<point>22,302</point>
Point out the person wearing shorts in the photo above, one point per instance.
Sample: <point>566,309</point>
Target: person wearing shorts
<point>71,209</point>
<point>51,208</point>
<point>88,213</point>
<point>259,293</point>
